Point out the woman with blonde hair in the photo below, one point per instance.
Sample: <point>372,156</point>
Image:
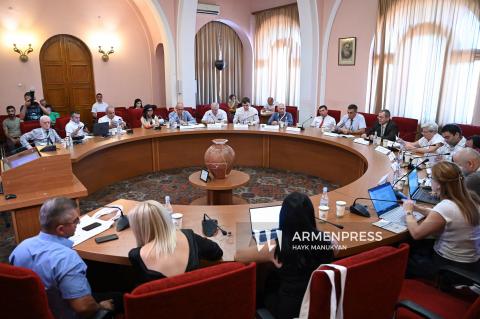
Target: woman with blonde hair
<point>162,250</point>
<point>454,221</point>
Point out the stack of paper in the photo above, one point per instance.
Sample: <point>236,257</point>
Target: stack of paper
<point>82,235</point>
<point>240,126</point>
<point>361,141</point>
<point>382,150</point>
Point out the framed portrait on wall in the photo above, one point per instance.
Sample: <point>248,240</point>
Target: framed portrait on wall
<point>347,48</point>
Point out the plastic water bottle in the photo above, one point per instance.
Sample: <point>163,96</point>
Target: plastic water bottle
<point>324,198</point>
<point>167,205</point>
<point>119,128</point>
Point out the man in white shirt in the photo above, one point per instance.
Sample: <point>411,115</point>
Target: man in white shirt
<point>454,141</point>
<point>215,115</point>
<point>430,142</point>
<point>352,122</point>
<point>99,106</point>
<point>324,121</point>
<point>75,128</point>
<point>246,114</point>
<point>113,120</point>
<point>270,106</point>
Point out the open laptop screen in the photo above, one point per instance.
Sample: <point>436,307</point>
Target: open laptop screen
<point>384,192</point>
<point>412,182</point>
<point>264,218</point>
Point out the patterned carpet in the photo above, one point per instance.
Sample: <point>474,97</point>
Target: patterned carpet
<point>265,185</point>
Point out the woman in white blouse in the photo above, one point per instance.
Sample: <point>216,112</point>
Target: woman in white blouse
<point>430,142</point>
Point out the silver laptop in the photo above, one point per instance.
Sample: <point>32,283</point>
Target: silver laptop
<point>417,193</point>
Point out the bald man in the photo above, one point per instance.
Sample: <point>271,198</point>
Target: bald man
<point>469,161</point>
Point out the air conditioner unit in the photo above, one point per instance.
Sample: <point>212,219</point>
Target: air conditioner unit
<point>204,8</point>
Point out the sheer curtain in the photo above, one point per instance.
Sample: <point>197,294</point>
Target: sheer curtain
<point>214,85</point>
<point>277,56</point>
<point>426,59</point>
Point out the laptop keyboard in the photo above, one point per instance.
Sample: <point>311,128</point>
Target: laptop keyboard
<point>397,216</point>
<point>425,197</point>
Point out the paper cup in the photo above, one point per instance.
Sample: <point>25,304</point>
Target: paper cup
<point>340,208</point>
<point>323,212</point>
<point>177,220</point>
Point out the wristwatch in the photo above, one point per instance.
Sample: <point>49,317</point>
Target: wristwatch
<point>409,213</point>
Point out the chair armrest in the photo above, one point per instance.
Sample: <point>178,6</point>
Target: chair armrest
<point>417,309</point>
<point>263,313</point>
<point>103,314</point>
<point>474,277</point>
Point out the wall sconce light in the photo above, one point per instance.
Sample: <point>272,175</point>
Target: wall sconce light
<point>105,55</point>
<point>24,53</point>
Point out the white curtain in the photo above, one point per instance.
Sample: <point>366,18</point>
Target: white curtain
<point>426,62</point>
<point>277,56</point>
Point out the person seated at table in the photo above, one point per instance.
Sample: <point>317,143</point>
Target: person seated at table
<point>11,129</point>
<point>162,250</point>
<point>270,106</point>
<point>324,120</point>
<point>281,116</point>
<point>352,122</point>
<point>74,127</point>
<point>62,271</point>
<point>137,104</point>
<point>469,161</point>
<point>473,142</point>
<point>149,119</point>
<point>286,285</point>
<point>246,114</point>
<point>215,115</point>
<point>430,142</point>
<point>232,103</point>
<point>180,116</point>
<point>454,222</point>
<point>112,119</point>
<point>384,127</point>
<point>44,135</point>
<point>454,141</point>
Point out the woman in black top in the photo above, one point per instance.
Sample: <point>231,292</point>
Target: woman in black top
<point>303,248</point>
<point>164,251</point>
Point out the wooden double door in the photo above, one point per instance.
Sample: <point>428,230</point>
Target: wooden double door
<point>67,76</point>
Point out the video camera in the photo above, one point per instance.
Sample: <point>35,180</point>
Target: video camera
<point>31,93</point>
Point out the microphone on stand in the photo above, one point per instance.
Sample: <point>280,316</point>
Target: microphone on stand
<point>409,171</point>
<point>362,210</point>
<point>122,221</point>
<point>326,221</point>
<point>243,120</point>
<point>301,127</point>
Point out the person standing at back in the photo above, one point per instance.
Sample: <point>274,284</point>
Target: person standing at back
<point>99,106</point>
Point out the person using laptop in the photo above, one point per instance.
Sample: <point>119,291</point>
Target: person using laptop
<point>455,220</point>
<point>112,119</point>
<point>43,135</point>
<point>286,285</point>
<point>75,128</point>
<point>164,251</point>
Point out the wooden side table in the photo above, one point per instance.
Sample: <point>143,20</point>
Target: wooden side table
<point>219,191</point>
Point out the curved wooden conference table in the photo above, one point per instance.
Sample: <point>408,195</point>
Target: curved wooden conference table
<point>354,167</point>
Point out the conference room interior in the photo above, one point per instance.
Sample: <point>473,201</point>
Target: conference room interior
<point>414,63</point>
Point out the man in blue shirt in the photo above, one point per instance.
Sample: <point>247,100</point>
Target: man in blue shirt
<point>51,257</point>
<point>180,116</point>
<point>281,116</point>
<point>352,122</point>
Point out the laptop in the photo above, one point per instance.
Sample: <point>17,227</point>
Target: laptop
<point>390,211</point>
<point>100,129</point>
<point>417,193</point>
<point>264,222</point>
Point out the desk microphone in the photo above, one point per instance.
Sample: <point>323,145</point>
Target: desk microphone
<point>302,128</point>
<point>326,221</point>
<point>362,210</point>
<point>409,171</point>
<point>122,221</point>
<point>209,226</point>
<point>253,115</point>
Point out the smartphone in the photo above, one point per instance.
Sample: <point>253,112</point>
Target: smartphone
<point>91,226</point>
<point>104,239</point>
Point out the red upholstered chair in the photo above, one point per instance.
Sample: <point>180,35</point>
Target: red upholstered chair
<point>60,125</point>
<point>294,111</point>
<point>200,111</point>
<point>134,116</point>
<point>224,106</point>
<point>258,107</point>
<point>23,294</point>
<point>123,113</point>
<point>161,112</point>
<point>335,114</point>
<point>369,119</point>
<point>28,126</point>
<point>469,130</point>
<point>190,110</point>
<point>420,300</point>
<point>373,283</point>
<point>222,291</point>
<point>100,114</point>
<point>407,128</point>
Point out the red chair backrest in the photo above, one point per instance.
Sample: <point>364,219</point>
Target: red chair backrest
<point>407,128</point>
<point>23,294</point>
<point>123,113</point>
<point>294,111</point>
<point>134,116</point>
<point>258,108</point>
<point>335,114</point>
<point>373,283</point>
<point>161,112</point>
<point>469,130</point>
<point>200,111</point>
<point>28,126</point>
<point>60,125</point>
<point>224,106</point>
<point>190,110</point>
<point>100,114</point>
<point>370,119</point>
<point>222,291</point>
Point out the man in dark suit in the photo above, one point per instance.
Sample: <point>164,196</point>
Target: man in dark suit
<point>384,126</point>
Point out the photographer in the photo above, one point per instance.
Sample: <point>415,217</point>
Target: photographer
<point>31,110</point>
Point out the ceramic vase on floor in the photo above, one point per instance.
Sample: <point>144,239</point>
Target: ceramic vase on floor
<point>219,158</point>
